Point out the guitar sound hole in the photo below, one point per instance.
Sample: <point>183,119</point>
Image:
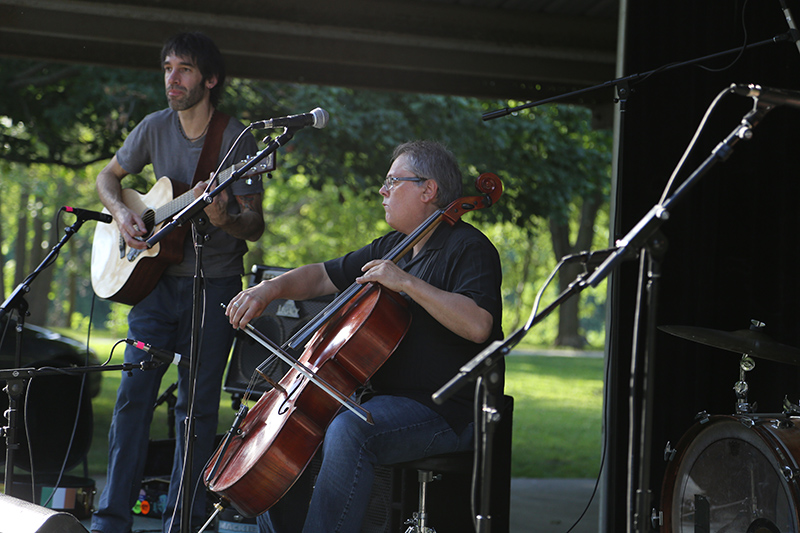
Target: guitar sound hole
<point>149,217</point>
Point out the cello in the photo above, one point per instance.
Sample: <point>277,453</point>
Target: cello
<point>270,445</point>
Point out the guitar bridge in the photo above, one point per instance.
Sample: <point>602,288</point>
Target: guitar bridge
<point>133,254</point>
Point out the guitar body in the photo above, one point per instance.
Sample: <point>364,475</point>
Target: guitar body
<point>120,278</point>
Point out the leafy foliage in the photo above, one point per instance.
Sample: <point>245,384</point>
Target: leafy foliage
<point>322,199</point>
<point>70,115</point>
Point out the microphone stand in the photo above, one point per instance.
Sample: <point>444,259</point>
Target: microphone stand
<point>641,240</point>
<point>15,386</point>
<point>623,82</point>
<point>16,379</point>
<point>643,237</point>
<point>484,369</point>
<point>191,213</point>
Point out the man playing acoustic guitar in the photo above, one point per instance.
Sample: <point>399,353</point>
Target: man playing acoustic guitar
<point>172,140</point>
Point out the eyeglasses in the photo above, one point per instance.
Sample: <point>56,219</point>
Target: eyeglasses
<point>390,182</point>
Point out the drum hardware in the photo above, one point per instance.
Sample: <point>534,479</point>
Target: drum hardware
<point>702,417</point>
<point>734,473</point>
<point>741,388</point>
<point>789,473</point>
<point>789,408</point>
<point>747,421</point>
<point>669,452</point>
<point>750,341</point>
<point>656,518</point>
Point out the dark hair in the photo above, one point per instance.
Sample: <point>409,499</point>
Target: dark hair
<point>204,53</point>
<point>431,160</point>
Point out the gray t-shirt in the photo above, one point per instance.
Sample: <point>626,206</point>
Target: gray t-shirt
<point>158,140</point>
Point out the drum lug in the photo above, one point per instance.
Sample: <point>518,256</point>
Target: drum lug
<point>789,473</point>
<point>657,518</point>
<point>789,408</point>
<point>669,452</point>
<point>702,417</point>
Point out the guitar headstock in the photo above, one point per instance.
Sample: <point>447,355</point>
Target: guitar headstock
<point>260,168</point>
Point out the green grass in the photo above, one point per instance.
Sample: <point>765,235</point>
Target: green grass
<point>557,413</point>
<point>557,416</point>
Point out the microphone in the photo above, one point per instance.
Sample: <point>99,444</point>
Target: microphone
<point>592,259</point>
<point>317,118</point>
<point>795,35</point>
<point>164,356</point>
<point>85,214</point>
<point>765,94</point>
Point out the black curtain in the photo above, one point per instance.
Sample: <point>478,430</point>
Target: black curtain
<point>732,242</point>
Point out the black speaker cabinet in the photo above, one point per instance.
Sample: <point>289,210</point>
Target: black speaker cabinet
<point>280,320</point>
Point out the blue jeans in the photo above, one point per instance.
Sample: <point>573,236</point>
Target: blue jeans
<point>164,320</point>
<point>404,430</point>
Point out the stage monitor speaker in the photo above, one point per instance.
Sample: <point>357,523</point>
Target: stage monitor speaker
<point>280,320</point>
<point>19,516</point>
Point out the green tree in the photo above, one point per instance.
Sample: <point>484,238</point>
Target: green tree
<point>554,167</point>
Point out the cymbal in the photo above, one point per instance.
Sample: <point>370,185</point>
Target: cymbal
<point>743,341</point>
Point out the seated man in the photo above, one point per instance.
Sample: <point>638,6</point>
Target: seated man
<point>451,279</point>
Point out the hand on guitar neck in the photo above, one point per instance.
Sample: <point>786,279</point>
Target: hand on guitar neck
<point>216,211</point>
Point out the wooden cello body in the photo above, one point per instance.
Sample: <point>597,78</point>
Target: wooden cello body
<point>258,462</point>
<point>284,429</point>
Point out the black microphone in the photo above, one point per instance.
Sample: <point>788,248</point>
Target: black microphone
<point>765,94</point>
<point>592,259</point>
<point>317,118</point>
<point>795,35</point>
<point>164,356</point>
<point>85,214</point>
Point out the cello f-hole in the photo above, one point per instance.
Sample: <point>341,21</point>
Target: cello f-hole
<point>284,407</point>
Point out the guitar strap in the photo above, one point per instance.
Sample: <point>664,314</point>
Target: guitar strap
<point>207,163</point>
<point>210,154</point>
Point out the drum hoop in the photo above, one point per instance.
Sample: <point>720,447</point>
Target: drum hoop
<point>761,435</point>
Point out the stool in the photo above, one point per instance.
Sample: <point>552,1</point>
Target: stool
<point>431,469</point>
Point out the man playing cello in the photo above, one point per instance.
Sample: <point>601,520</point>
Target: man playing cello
<point>451,279</point>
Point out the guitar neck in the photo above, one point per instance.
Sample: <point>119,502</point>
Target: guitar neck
<point>175,206</point>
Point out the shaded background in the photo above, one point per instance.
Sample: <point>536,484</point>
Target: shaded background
<point>732,241</point>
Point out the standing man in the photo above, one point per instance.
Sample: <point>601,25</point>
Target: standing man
<point>172,141</point>
<point>451,280</point>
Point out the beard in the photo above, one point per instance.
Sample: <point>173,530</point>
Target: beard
<point>188,100</point>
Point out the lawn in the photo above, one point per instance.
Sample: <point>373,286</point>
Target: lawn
<point>557,414</point>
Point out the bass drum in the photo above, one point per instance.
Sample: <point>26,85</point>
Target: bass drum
<point>734,474</point>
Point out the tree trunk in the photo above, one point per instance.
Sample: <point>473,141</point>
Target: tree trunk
<point>40,289</point>
<point>2,268</point>
<point>527,259</point>
<point>568,318</point>
<point>72,295</point>
<point>20,249</point>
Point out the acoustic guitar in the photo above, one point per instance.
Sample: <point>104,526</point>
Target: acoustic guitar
<point>126,275</point>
